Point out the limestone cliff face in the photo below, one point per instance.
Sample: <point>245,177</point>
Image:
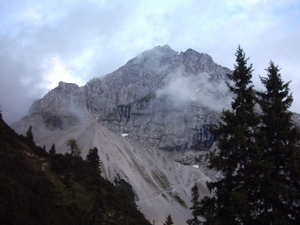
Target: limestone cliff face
<point>161,97</point>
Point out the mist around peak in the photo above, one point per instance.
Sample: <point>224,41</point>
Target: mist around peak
<point>201,89</point>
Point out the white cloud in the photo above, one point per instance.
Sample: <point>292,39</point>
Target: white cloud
<point>186,89</point>
<point>93,38</point>
<point>57,72</point>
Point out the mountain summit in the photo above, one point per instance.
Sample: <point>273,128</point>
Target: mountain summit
<point>160,97</point>
<point>159,100</point>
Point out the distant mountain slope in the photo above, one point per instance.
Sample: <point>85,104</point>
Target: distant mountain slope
<point>161,97</point>
<point>161,185</point>
<point>37,188</point>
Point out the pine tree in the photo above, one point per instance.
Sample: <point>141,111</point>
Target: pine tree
<point>29,134</point>
<point>168,221</point>
<point>52,150</point>
<point>280,198</point>
<point>75,150</point>
<point>94,159</point>
<point>195,208</point>
<point>238,161</point>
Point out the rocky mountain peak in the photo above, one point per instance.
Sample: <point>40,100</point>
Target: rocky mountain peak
<point>192,53</point>
<point>58,100</point>
<point>166,49</point>
<point>159,100</point>
<point>156,59</point>
<point>160,97</point>
<point>160,50</point>
<point>67,86</point>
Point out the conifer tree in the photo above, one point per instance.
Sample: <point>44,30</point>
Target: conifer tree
<point>29,134</point>
<point>234,194</point>
<point>168,221</point>
<point>280,153</point>
<point>75,150</point>
<point>195,207</point>
<point>94,159</point>
<point>52,150</point>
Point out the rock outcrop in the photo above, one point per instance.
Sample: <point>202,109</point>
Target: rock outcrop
<point>161,97</point>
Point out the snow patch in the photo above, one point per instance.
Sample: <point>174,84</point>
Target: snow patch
<point>197,89</point>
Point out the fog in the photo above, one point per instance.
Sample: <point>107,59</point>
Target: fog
<point>200,89</point>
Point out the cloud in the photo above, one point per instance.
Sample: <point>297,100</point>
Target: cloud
<point>42,49</point>
<point>92,38</point>
<point>178,90</point>
<point>201,89</point>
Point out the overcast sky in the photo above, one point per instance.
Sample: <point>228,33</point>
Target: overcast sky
<point>43,42</point>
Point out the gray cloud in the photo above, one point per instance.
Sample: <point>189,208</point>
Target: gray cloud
<point>94,38</point>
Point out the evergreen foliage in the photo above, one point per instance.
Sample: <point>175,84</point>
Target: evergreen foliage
<point>29,134</point>
<point>259,154</point>
<point>195,207</point>
<point>125,188</point>
<point>169,220</point>
<point>279,203</point>
<point>94,159</point>
<point>239,158</point>
<point>75,150</point>
<point>52,150</point>
<point>32,195</point>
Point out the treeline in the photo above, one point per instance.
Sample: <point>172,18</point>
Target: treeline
<point>41,188</point>
<point>259,157</point>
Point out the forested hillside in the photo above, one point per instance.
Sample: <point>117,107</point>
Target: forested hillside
<point>41,188</point>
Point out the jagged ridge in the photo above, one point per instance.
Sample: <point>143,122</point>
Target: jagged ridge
<point>161,97</point>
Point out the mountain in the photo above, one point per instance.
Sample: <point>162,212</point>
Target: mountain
<point>161,97</point>
<point>159,100</point>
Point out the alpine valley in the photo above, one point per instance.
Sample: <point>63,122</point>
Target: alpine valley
<point>149,119</point>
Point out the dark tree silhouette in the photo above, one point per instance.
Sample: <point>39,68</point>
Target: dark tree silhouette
<point>94,159</point>
<point>239,159</point>
<point>279,202</point>
<point>29,134</point>
<point>168,221</point>
<point>52,150</point>
<point>195,207</point>
<point>75,150</point>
